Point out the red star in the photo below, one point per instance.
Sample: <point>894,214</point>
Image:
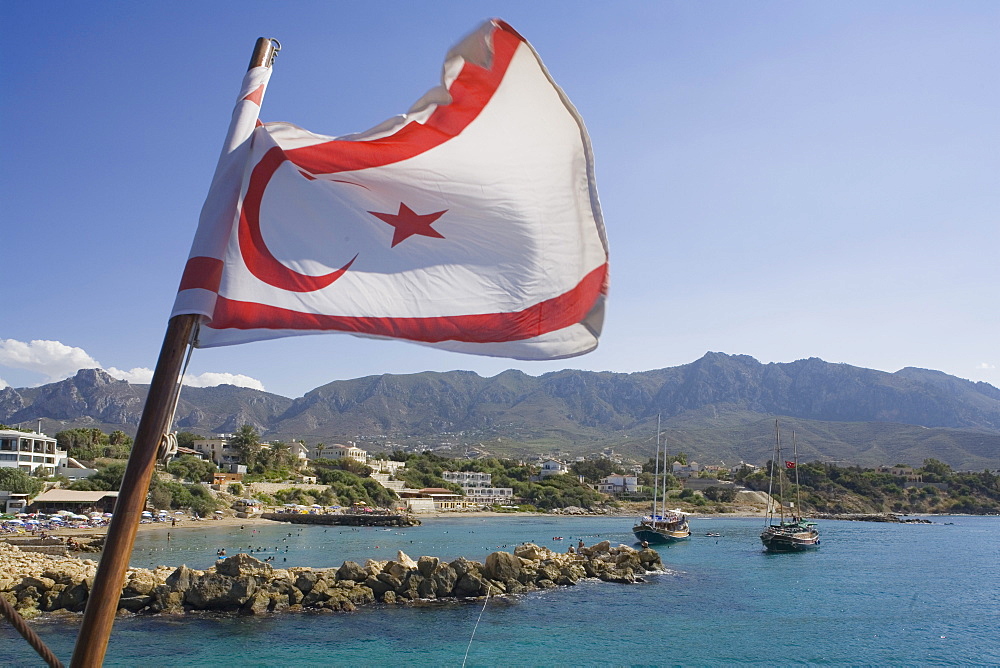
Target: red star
<point>408,223</point>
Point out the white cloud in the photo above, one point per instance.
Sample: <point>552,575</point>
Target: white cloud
<point>3,383</point>
<point>987,366</point>
<point>57,361</point>
<point>208,379</point>
<point>52,359</point>
<point>211,379</point>
<point>139,375</point>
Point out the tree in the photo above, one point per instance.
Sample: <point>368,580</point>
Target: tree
<point>595,469</point>
<point>17,481</point>
<point>118,437</point>
<point>186,439</point>
<point>246,442</point>
<point>722,494</point>
<point>192,468</point>
<point>935,471</point>
<point>108,478</point>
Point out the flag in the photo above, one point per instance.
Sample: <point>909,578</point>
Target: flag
<point>789,465</point>
<point>470,223</point>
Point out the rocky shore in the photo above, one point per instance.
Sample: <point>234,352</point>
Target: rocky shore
<point>869,517</point>
<point>37,583</point>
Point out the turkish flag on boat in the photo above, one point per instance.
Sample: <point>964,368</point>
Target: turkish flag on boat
<point>470,223</point>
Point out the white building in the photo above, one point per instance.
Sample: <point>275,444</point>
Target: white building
<point>478,487</point>
<point>338,451</point>
<point>689,470</point>
<point>618,483</point>
<point>553,467</point>
<point>30,451</point>
<point>12,503</point>
<point>388,466</point>
<point>218,450</point>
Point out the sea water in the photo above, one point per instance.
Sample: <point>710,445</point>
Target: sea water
<point>872,594</point>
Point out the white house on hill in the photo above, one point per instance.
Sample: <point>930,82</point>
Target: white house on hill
<point>30,451</point>
<point>338,451</point>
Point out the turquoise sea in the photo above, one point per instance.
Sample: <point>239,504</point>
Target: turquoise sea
<point>873,594</point>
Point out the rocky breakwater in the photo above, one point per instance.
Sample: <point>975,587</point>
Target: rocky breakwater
<point>36,583</point>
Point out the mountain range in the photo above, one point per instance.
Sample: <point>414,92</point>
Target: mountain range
<point>720,408</point>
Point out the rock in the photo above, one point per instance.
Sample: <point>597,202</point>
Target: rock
<point>502,566</point>
<point>444,577</point>
<point>396,569</point>
<point>305,580</point>
<point>134,603</point>
<point>257,604</point>
<point>378,587</point>
<point>427,588</point>
<point>374,567</point>
<point>242,564</point>
<point>139,582</point>
<point>468,585</point>
<point>351,570</point>
<point>181,579</point>
<point>533,552</point>
<point>405,560</point>
<point>426,565</point>
<point>214,591</point>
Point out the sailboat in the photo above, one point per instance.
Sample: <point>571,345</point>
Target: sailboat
<point>661,525</point>
<point>794,534</point>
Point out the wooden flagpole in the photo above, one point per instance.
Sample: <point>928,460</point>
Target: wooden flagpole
<point>102,603</point>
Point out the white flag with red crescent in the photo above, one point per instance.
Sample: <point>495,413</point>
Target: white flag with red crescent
<point>470,223</point>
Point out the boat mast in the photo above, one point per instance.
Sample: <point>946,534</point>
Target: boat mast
<point>656,475</point>
<point>781,478</point>
<point>798,489</point>
<point>770,478</point>
<point>663,495</point>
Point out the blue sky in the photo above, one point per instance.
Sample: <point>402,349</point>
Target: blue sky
<point>779,179</point>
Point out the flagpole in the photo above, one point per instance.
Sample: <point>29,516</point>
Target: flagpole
<point>102,603</point>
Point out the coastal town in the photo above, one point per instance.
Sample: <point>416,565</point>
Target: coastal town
<point>238,476</point>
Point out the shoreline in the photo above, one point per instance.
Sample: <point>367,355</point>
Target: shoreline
<point>186,522</point>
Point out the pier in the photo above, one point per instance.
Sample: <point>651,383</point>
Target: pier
<point>345,519</point>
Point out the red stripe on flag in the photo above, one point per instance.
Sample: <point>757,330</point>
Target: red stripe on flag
<point>202,272</point>
<point>789,465</point>
<point>471,90</point>
<point>256,95</point>
<point>550,315</point>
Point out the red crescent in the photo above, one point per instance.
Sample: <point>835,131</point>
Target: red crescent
<point>256,255</point>
<point>471,91</point>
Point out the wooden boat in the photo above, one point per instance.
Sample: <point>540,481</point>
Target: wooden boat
<point>661,525</point>
<point>793,534</point>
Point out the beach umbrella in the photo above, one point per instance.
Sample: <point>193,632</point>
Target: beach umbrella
<point>219,512</point>
<point>22,515</point>
<point>178,512</point>
<point>79,517</point>
<point>13,522</point>
<point>107,515</point>
<point>57,519</point>
<point>32,522</point>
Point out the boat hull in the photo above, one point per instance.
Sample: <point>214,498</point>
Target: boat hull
<point>656,536</point>
<point>777,540</point>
